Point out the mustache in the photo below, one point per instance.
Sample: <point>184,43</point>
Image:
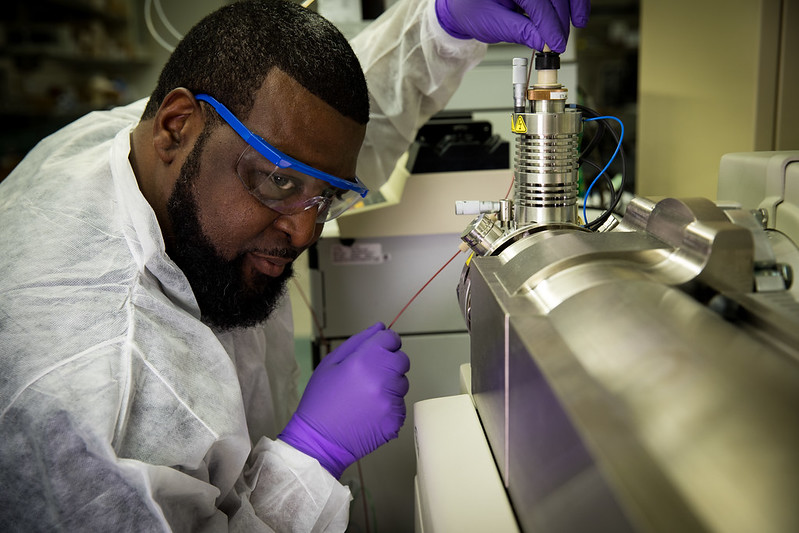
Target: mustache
<point>286,252</point>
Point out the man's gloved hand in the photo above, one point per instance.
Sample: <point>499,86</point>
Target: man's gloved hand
<point>353,402</point>
<point>494,21</point>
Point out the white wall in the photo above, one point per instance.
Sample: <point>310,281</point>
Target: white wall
<point>708,85</point>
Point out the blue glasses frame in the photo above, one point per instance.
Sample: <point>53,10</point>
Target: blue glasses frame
<point>274,155</point>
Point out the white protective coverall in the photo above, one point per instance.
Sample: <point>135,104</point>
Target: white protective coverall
<point>119,409</point>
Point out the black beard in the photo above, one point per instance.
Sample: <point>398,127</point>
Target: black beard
<point>225,300</point>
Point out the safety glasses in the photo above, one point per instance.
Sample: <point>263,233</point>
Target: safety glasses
<point>284,184</point>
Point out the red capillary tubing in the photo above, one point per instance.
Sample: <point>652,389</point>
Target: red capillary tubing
<point>461,249</point>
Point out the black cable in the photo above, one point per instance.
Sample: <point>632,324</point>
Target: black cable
<point>595,224</point>
<point>617,194</point>
<point>587,150</point>
<point>607,178</point>
<point>595,139</point>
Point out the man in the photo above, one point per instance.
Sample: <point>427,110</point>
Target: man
<point>144,248</point>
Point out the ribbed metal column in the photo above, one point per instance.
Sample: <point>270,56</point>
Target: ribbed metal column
<point>545,167</point>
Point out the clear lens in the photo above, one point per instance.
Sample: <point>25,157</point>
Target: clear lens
<point>340,202</point>
<point>289,191</point>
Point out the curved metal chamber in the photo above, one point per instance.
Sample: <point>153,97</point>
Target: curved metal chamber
<point>625,381</point>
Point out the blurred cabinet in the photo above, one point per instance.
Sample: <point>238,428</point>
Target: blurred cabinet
<point>60,59</point>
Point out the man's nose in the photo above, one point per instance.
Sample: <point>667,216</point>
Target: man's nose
<point>299,227</point>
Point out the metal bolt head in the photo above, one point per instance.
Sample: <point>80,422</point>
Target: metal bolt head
<point>761,215</point>
<point>786,271</point>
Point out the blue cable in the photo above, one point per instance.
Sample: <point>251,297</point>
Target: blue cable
<point>621,138</point>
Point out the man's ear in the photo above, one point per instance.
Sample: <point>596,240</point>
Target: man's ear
<point>178,122</point>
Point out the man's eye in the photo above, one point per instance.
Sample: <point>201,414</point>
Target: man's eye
<point>272,185</point>
<point>283,183</point>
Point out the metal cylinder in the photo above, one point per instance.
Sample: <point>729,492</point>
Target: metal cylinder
<point>545,167</point>
<point>519,84</point>
<point>481,234</point>
<point>549,106</point>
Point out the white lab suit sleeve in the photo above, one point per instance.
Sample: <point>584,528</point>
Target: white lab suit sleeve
<point>290,490</point>
<point>412,68</point>
<point>282,368</point>
<point>268,371</point>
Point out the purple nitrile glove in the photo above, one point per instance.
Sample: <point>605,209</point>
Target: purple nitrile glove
<point>495,21</point>
<point>353,402</point>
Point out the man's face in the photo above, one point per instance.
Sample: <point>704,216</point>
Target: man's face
<point>237,253</point>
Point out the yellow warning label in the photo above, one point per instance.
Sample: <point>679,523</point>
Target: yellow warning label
<point>519,126</point>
